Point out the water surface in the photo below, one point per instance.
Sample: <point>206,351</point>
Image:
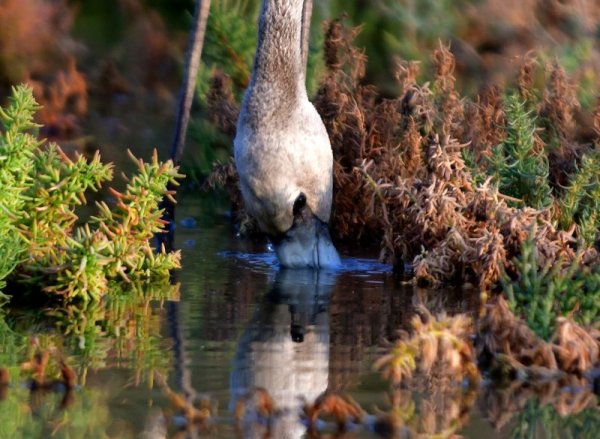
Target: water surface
<point>240,322</point>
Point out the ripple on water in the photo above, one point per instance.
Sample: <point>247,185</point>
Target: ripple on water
<point>362,267</point>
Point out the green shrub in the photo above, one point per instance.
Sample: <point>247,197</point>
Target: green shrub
<point>17,147</point>
<point>41,245</point>
<point>580,202</point>
<point>518,166</point>
<point>539,295</point>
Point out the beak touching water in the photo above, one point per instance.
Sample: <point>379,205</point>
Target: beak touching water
<point>306,244</point>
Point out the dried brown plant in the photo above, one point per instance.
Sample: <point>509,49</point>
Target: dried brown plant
<point>449,105</point>
<point>64,102</point>
<point>36,48</point>
<point>225,176</point>
<point>400,176</point>
<point>515,351</point>
<point>223,110</point>
<point>557,111</point>
<point>4,377</point>
<point>4,382</point>
<point>596,119</point>
<point>34,37</point>
<point>525,78</point>
<point>487,123</point>
<point>560,102</point>
<point>576,350</point>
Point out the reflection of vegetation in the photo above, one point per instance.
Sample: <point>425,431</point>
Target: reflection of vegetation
<point>342,408</point>
<point>25,414</point>
<point>543,420</point>
<point>122,330</point>
<point>544,410</point>
<point>45,407</point>
<point>437,345</point>
<point>197,419</point>
<point>433,409</point>
<point>429,408</point>
<point>42,188</point>
<point>438,355</point>
<point>124,324</point>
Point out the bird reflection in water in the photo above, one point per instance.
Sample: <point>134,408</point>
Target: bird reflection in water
<point>284,352</point>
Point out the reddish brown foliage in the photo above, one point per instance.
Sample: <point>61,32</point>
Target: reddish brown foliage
<point>222,108</point>
<point>64,101</point>
<point>487,122</point>
<point>33,37</point>
<point>399,173</point>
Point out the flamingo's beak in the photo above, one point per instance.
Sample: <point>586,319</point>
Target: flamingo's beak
<point>306,244</point>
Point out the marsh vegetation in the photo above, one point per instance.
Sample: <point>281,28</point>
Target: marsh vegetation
<point>465,160</point>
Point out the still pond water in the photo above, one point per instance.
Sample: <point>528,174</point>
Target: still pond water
<point>241,322</point>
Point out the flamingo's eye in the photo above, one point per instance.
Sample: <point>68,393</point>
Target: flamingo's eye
<point>299,204</point>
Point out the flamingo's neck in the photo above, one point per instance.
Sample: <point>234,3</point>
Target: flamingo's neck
<point>278,64</point>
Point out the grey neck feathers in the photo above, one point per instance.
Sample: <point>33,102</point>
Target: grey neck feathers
<point>278,64</point>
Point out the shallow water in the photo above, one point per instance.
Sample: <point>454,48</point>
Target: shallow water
<point>241,322</point>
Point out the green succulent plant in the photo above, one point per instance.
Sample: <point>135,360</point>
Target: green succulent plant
<point>539,295</point>
<point>517,166</point>
<point>44,245</point>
